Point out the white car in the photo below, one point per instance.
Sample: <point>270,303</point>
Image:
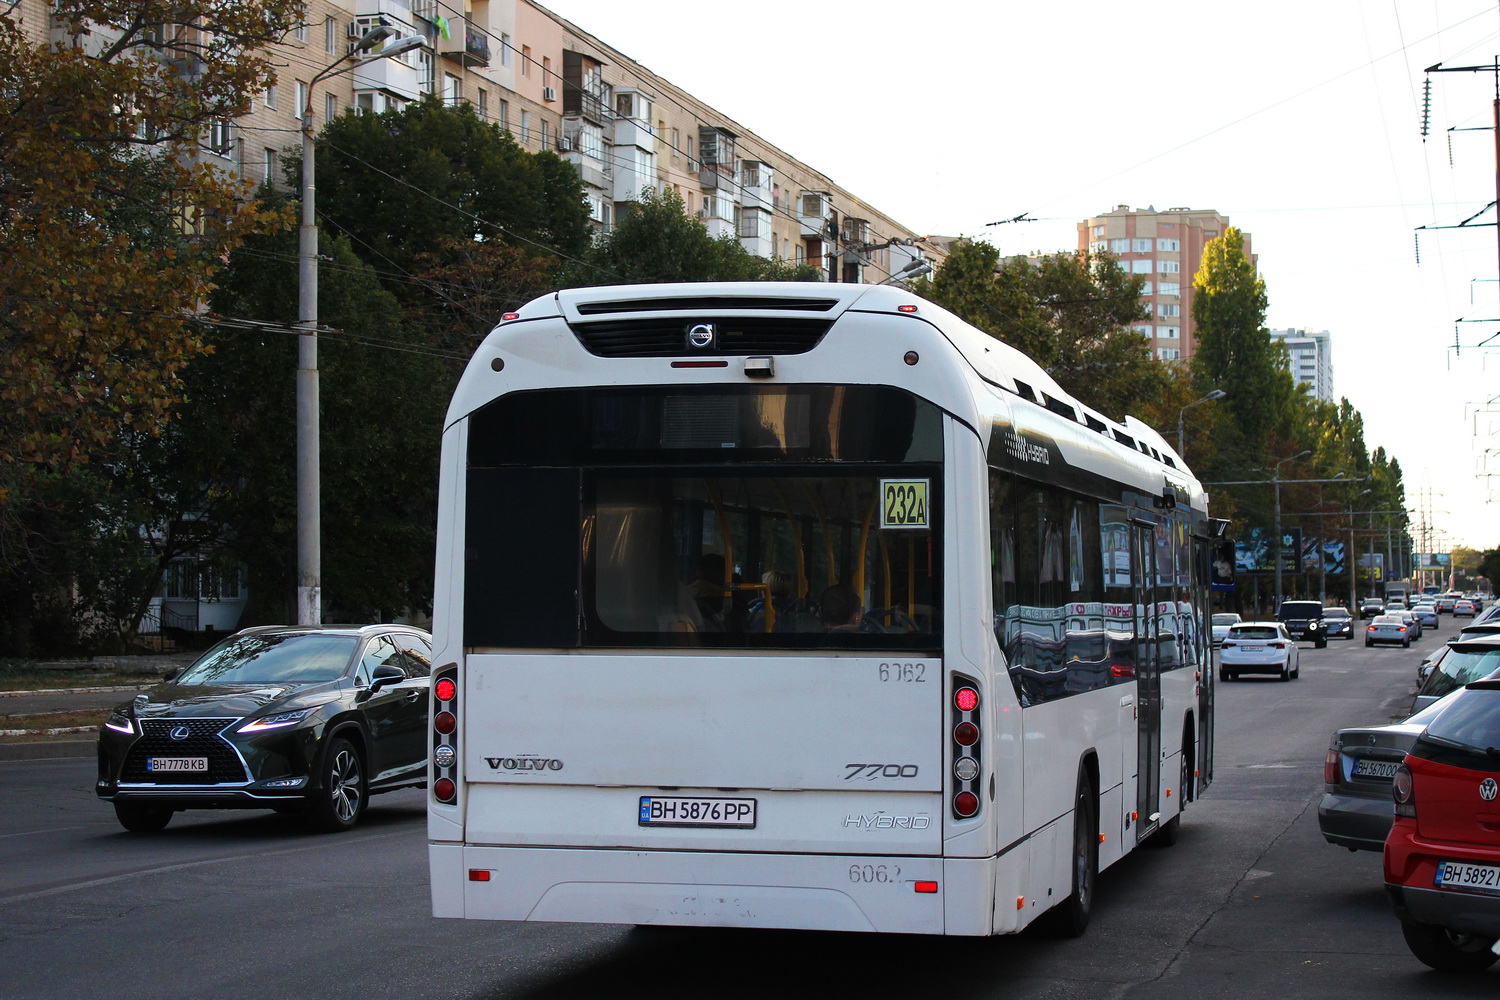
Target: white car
<point>1388,628</point>
<point>1427,615</point>
<point>1258,648</point>
<point>1219,625</point>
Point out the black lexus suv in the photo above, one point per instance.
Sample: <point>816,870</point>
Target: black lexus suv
<point>1304,620</point>
<point>307,719</point>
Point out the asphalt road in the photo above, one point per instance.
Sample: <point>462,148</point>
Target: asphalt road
<point>1251,903</point>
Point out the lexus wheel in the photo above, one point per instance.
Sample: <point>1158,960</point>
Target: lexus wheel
<point>138,817</point>
<point>340,799</point>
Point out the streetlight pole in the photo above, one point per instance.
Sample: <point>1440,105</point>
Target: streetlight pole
<point>309,485</point>
<point>1213,395</point>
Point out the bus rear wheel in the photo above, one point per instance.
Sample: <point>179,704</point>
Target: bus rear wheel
<point>1070,918</point>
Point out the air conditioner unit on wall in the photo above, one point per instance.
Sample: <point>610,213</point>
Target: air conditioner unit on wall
<point>549,93</point>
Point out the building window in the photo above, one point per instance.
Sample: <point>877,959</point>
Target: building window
<point>1145,288</point>
<point>219,136</point>
<point>1171,288</point>
<point>270,96</point>
<point>1098,232</point>
<point>1168,309</point>
<point>452,93</point>
<point>1169,353</point>
<point>330,107</point>
<point>1098,246</point>
<point>1170,246</point>
<point>300,90</point>
<point>330,34</point>
<point>526,60</point>
<point>426,70</point>
<point>1169,332</point>
<point>545,135</point>
<point>300,32</point>
<point>1168,266</point>
<point>546,71</point>
<point>1119,246</point>
<point>1140,267</point>
<point>504,49</point>
<point>502,114</point>
<point>525,135</point>
<point>269,177</point>
<point>482,107</point>
<point>1141,246</point>
<point>1143,329</point>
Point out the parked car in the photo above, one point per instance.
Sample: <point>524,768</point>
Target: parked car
<point>1304,621</point>
<point>1259,648</point>
<point>1442,858</point>
<point>1463,661</point>
<point>1427,615</point>
<point>1355,811</point>
<point>1387,629</point>
<point>1370,608</point>
<point>1464,608</point>
<point>1340,623</point>
<point>1219,626</point>
<point>307,719</point>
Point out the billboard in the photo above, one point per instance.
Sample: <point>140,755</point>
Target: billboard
<point>1255,552</point>
<point>1433,562</point>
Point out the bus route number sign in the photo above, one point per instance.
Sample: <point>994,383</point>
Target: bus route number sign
<point>904,503</point>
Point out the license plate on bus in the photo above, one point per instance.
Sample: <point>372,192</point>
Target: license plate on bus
<point>1461,875</point>
<point>1375,768</point>
<point>676,810</point>
<point>177,763</point>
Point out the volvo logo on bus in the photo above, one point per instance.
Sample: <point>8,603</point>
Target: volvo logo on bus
<point>701,336</point>
<point>524,763</point>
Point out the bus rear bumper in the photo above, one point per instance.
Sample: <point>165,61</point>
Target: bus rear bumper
<point>675,888</point>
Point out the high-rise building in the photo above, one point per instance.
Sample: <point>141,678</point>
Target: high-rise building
<point>1166,249</point>
<point>1310,358</point>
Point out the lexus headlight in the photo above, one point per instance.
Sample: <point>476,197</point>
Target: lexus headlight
<point>120,722</point>
<point>278,721</point>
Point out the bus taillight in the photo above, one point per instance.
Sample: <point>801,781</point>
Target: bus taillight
<point>445,733</point>
<point>964,748</point>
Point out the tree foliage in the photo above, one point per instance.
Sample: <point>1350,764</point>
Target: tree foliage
<point>1070,313</point>
<point>657,241</point>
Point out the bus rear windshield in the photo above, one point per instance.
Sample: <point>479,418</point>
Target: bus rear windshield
<point>815,524</point>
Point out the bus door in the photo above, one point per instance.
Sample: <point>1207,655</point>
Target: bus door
<point>1147,679</point>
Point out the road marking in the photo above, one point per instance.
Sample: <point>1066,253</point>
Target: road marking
<point>38,833</point>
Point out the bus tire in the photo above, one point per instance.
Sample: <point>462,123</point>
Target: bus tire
<point>1070,918</point>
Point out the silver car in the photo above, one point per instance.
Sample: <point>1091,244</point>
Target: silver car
<point>1427,614</point>
<point>1387,629</point>
<point>1463,662</point>
<point>1219,625</point>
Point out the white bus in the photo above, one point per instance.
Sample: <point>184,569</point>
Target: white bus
<point>802,606</point>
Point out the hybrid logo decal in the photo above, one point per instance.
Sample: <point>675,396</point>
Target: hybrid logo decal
<point>526,763</point>
<point>1024,451</point>
<point>886,821</point>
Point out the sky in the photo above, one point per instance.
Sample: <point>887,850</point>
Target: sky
<point>1301,121</point>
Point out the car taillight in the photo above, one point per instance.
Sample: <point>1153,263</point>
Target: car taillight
<point>1404,791</point>
<point>1401,628</point>
<point>1228,644</point>
<point>444,782</point>
<point>1370,628</point>
<point>1331,767</point>
<point>965,748</point>
<point>1277,645</point>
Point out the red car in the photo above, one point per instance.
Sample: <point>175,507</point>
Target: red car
<point>1442,857</point>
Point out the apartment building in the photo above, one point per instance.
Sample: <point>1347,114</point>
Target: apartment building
<point>554,86</point>
<point>1310,359</point>
<point>1166,249</point>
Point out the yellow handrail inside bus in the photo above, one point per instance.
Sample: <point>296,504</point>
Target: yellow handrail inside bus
<point>791,520</point>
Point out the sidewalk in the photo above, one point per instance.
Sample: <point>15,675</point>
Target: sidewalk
<point>76,741</point>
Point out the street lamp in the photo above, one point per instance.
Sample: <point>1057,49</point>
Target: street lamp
<point>309,487</point>
<point>1213,395</point>
<point>1276,483</point>
<point>1351,558</point>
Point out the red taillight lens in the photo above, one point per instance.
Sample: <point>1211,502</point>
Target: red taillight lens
<point>444,789</point>
<point>966,734</point>
<point>1277,645</point>
<point>1370,628</point>
<point>445,723</point>
<point>1401,628</point>
<point>1331,767</point>
<point>966,803</point>
<point>445,689</point>
<point>1227,644</point>
<point>966,698</point>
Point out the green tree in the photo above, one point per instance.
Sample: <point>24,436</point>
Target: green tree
<point>1235,352</point>
<point>657,241</point>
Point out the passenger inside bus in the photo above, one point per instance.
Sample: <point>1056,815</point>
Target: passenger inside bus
<point>840,609</point>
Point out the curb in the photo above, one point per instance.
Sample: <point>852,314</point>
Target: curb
<point>82,690</point>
